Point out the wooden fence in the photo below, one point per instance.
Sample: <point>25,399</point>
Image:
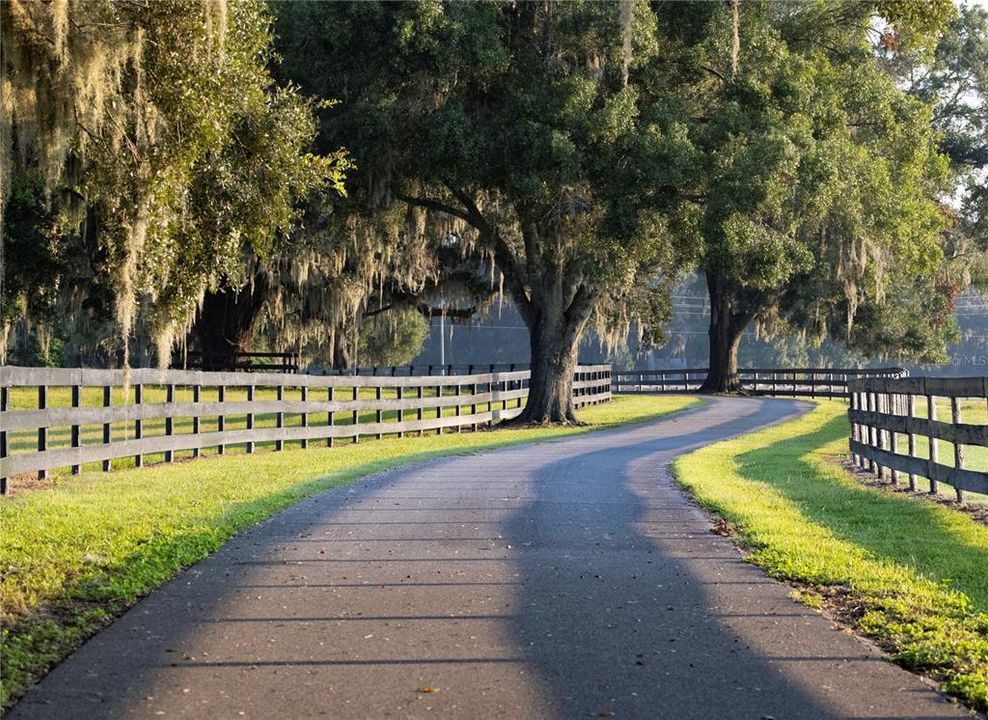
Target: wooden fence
<point>53,418</point>
<point>283,362</point>
<point>883,410</point>
<point>435,369</point>
<point>778,382</point>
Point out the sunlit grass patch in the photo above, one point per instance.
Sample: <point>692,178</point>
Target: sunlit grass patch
<point>905,571</point>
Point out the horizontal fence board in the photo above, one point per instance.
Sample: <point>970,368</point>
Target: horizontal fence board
<point>959,387</point>
<point>963,433</point>
<point>63,417</point>
<point>13,376</point>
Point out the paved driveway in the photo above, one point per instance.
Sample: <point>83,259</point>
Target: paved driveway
<point>568,579</point>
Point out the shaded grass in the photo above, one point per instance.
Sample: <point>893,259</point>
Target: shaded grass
<point>77,554</point>
<point>905,571</point>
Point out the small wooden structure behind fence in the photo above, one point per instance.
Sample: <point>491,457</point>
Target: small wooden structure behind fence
<point>777,382</point>
<point>282,362</point>
<point>883,409</point>
<point>155,419</point>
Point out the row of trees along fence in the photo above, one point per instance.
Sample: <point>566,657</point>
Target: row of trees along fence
<point>885,409</point>
<point>781,382</point>
<point>53,418</point>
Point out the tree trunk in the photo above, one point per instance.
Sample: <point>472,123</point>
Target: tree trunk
<point>726,328</point>
<point>225,324</point>
<point>556,321</point>
<point>550,388</point>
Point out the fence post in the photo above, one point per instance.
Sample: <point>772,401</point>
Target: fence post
<point>931,415</point>
<point>138,422</point>
<point>279,417</point>
<point>107,390</point>
<point>418,408</point>
<point>356,414</point>
<point>401,413</point>
<point>873,433</point>
<point>250,418</point>
<point>3,439</point>
<point>955,417</point>
<point>330,397</point>
<point>490,399</point>
<point>221,419</point>
<point>473,407</point>
<point>379,415</point>
<point>893,401</point>
<point>855,431</point>
<point>196,390</point>
<point>459,391</point>
<point>911,436</point>
<point>75,434</point>
<point>43,430</point>
<point>169,422</point>
<point>304,397</point>
<point>439,408</point>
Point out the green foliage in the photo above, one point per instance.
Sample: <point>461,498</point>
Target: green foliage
<point>820,177</point>
<point>954,79</point>
<point>79,553</point>
<point>186,156</point>
<point>513,127</point>
<point>395,338</point>
<point>32,253</point>
<point>912,570</point>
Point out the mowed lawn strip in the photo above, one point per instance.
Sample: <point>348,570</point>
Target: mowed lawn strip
<point>74,555</point>
<point>904,571</point>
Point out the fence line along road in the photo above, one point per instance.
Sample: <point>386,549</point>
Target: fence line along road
<point>46,422</point>
<point>883,409</point>
<point>778,382</point>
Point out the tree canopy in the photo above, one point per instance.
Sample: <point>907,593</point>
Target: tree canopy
<point>165,175</point>
<point>162,145</point>
<point>526,136</point>
<point>817,179</point>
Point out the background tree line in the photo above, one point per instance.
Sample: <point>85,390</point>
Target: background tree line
<point>324,177</point>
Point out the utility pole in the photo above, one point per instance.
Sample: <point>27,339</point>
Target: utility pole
<point>442,335</point>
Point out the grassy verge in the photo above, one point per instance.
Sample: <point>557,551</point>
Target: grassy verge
<point>77,554</point>
<point>907,572</point>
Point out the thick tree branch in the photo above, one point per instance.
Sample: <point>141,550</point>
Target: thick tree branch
<point>437,205</point>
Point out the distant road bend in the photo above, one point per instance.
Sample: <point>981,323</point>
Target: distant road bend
<point>567,579</point>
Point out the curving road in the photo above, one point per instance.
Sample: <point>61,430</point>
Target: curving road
<point>568,579</point>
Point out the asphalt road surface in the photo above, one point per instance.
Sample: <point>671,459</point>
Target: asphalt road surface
<point>567,579</point>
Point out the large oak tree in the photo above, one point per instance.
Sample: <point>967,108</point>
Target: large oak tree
<point>818,177</point>
<point>529,126</point>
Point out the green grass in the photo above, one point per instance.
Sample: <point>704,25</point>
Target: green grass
<point>905,571</point>
<point>77,554</point>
